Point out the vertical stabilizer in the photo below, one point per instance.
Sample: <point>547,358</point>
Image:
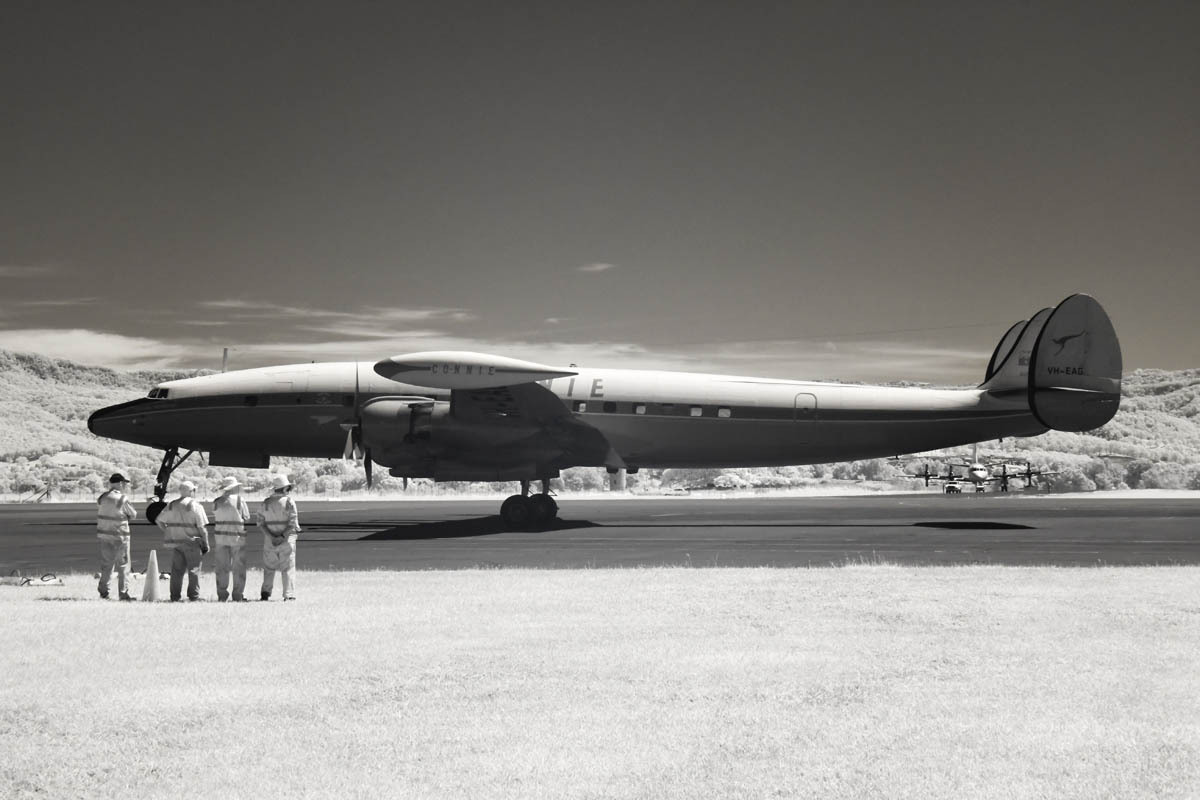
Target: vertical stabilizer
<point>1075,370</point>
<point>1012,374</point>
<point>1003,347</point>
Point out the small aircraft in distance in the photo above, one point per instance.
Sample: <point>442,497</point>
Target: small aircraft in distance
<point>464,416</point>
<point>979,473</point>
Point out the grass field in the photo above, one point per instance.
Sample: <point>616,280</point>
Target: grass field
<point>863,681</point>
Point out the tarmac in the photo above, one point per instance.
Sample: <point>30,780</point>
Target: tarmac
<point>905,529</point>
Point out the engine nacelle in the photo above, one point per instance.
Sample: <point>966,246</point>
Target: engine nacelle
<point>417,437</point>
<point>393,427</point>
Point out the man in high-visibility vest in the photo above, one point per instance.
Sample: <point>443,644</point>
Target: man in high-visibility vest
<point>182,523</point>
<point>279,521</point>
<point>229,540</point>
<point>112,529</point>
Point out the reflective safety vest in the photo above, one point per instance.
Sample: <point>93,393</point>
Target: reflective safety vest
<point>231,515</point>
<point>279,515</point>
<point>112,518</point>
<point>182,521</point>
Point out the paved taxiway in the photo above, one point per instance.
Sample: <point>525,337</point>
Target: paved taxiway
<point>721,532</point>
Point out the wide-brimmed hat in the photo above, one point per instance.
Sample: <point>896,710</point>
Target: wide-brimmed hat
<point>118,478</point>
<point>280,481</point>
<point>229,484</point>
<point>188,485</point>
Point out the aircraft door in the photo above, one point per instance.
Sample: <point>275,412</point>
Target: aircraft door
<point>805,413</point>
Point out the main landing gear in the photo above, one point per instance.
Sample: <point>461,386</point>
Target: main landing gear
<point>523,509</point>
<point>171,462</point>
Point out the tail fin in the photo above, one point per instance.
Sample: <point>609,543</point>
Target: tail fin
<point>1068,361</point>
<point>1011,374</point>
<point>1075,373</point>
<point>1003,348</point>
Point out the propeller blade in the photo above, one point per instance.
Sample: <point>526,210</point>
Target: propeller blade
<point>348,450</point>
<point>367,467</point>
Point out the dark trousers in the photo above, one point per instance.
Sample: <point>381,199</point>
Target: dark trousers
<point>184,561</point>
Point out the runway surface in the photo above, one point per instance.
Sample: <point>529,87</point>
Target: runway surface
<point>912,529</point>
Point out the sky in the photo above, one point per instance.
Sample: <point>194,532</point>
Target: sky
<point>844,190</point>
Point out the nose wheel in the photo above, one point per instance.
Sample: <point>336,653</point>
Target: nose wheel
<point>170,463</point>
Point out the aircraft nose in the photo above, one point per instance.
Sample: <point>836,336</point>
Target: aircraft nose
<point>116,422</point>
<point>101,421</point>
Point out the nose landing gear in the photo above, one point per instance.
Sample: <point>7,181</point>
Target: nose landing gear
<point>170,462</point>
<point>521,510</point>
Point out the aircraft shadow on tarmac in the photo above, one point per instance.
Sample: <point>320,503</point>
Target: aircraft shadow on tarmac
<point>954,525</point>
<point>490,526</point>
<point>974,526</point>
<point>460,528</point>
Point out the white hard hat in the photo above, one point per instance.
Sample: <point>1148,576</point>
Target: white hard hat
<point>280,481</point>
<point>188,485</point>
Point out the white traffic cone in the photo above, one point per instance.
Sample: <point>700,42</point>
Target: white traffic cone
<point>150,584</point>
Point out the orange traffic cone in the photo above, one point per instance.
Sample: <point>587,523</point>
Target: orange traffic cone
<point>150,584</point>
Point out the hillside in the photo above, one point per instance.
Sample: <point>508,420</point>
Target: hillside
<point>44,442</point>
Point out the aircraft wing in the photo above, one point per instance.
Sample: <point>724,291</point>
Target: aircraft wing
<point>497,403</point>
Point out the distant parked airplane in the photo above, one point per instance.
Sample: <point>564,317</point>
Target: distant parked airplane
<point>454,416</point>
<point>979,473</point>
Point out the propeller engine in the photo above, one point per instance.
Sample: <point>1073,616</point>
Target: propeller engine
<point>354,449</point>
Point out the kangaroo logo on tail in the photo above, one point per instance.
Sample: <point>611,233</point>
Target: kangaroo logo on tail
<point>1062,340</point>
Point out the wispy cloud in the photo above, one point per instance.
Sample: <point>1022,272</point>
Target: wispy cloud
<point>26,270</point>
<point>367,331</point>
<point>64,302</point>
<point>336,338</point>
<point>597,267</point>
<point>377,315</point>
<point>233,303</point>
<point>96,348</point>
<point>869,360</point>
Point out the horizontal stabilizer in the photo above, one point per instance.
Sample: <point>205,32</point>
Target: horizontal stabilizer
<point>460,369</point>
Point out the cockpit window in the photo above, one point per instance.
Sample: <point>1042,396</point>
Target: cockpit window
<point>158,394</point>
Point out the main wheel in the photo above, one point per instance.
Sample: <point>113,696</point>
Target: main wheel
<point>153,510</point>
<point>516,511</point>
<point>544,508</point>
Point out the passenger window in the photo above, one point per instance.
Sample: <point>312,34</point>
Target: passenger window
<point>581,406</point>
<point>609,407</point>
<point>640,408</point>
<point>250,400</point>
<point>697,411</point>
<point>724,413</point>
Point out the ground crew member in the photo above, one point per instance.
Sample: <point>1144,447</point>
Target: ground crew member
<point>279,521</point>
<point>182,523</point>
<point>112,529</point>
<point>229,540</point>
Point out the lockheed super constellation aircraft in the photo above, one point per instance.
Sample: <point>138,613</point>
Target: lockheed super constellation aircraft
<point>455,416</point>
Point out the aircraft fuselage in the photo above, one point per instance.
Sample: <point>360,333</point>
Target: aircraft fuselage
<point>650,418</point>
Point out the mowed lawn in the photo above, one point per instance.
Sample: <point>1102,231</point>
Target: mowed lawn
<point>862,681</point>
